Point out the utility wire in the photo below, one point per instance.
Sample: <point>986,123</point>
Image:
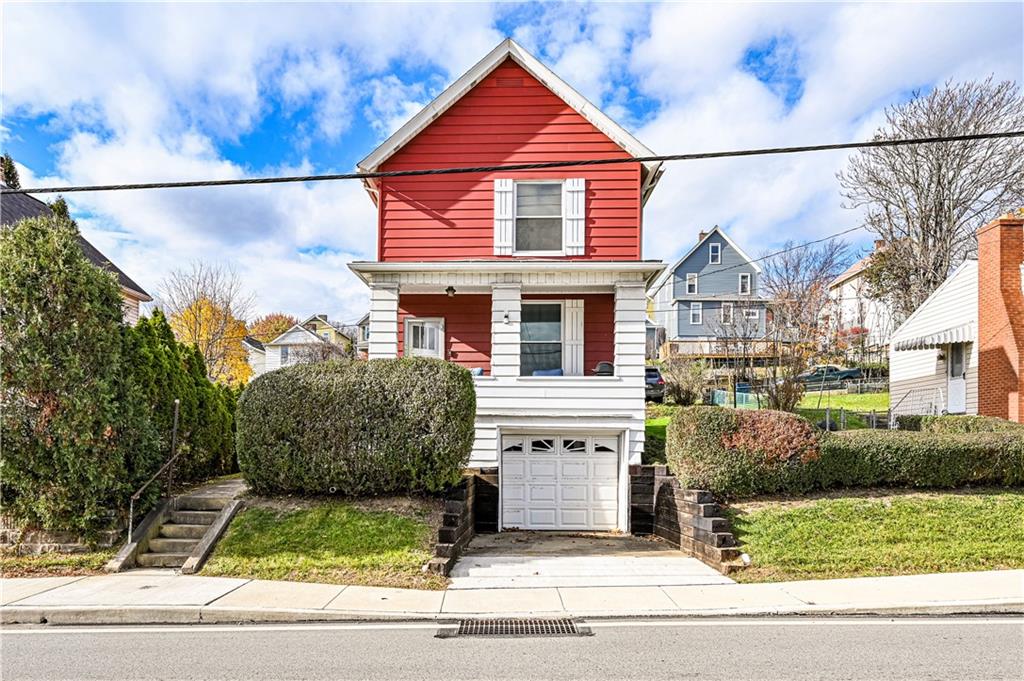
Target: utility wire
<point>769,151</point>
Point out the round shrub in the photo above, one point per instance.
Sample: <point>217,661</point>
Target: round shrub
<point>917,459</point>
<point>356,428</point>
<point>735,453</point>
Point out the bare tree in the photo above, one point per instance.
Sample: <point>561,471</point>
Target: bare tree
<point>927,201</point>
<point>684,378</point>
<point>799,277</point>
<point>206,305</point>
<point>737,328</point>
<point>313,353</point>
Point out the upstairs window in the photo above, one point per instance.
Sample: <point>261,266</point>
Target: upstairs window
<point>696,313</point>
<point>715,254</point>
<point>540,345</point>
<point>691,283</point>
<point>538,218</point>
<point>745,284</point>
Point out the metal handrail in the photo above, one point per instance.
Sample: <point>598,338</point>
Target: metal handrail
<point>168,467</point>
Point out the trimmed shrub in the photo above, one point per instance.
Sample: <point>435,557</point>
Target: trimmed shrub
<point>870,458</point>
<point>357,428</point>
<point>735,452</point>
<point>967,424</point>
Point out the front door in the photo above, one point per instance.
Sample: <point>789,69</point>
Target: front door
<point>957,385</point>
<point>559,482</point>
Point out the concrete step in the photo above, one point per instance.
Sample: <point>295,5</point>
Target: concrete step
<point>177,531</point>
<point>200,503</point>
<point>161,545</point>
<point>193,517</point>
<point>162,559</point>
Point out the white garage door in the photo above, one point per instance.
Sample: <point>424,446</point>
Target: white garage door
<point>559,482</point>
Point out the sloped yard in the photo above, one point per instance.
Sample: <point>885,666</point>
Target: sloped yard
<point>373,542</point>
<point>875,533</point>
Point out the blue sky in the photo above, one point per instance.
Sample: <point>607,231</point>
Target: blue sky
<point>140,92</point>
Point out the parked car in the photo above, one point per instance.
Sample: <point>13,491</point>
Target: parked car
<point>829,373</point>
<point>655,385</point>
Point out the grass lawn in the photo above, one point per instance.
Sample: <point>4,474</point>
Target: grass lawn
<point>377,542</point>
<point>880,533</point>
<point>54,564</point>
<point>837,399</point>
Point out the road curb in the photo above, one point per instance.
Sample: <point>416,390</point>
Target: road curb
<point>141,615</point>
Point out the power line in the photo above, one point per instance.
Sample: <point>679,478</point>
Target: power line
<point>768,151</point>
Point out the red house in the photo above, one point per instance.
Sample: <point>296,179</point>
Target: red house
<point>533,280</point>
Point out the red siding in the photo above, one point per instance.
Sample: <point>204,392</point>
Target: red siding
<point>467,325</point>
<point>598,326</point>
<point>452,217</point>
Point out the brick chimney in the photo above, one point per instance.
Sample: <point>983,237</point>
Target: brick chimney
<point>700,235</point>
<point>1001,319</point>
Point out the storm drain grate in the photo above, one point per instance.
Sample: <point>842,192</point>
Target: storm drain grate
<point>517,627</point>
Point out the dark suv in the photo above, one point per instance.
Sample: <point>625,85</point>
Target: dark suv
<point>655,385</point>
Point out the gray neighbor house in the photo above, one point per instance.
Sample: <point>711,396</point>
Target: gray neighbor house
<point>709,298</point>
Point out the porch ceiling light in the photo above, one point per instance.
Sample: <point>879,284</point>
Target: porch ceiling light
<point>450,291</point>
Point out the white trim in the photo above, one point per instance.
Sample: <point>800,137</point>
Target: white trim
<point>509,49</point>
<point>504,216</point>
<point>715,253</point>
<point>739,284</point>
<point>442,341</point>
<point>572,338</point>
<point>515,218</point>
<point>698,307</point>
<point>293,328</point>
<point>661,280</point>
<point>695,278</point>
<point>751,313</point>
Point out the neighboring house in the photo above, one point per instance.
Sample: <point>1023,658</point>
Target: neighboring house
<point>308,341</point>
<point>363,336</point>
<point>863,322</point>
<point>530,279</point>
<point>15,207</point>
<point>709,299</point>
<point>962,350</point>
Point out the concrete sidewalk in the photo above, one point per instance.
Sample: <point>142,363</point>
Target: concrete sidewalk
<point>152,597</point>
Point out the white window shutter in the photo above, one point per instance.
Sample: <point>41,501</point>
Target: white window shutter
<point>574,205</point>
<point>572,345</point>
<point>503,216</point>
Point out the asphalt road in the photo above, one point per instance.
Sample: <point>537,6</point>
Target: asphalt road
<point>947,648</point>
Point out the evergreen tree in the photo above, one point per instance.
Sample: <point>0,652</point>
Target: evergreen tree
<point>9,172</point>
<point>77,438</point>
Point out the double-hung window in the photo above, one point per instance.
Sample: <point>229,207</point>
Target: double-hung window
<point>752,315</point>
<point>744,283</point>
<point>540,348</point>
<point>538,218</point>
<point>284,355</point>
<point>696,313</point>
<point>715,254</point>
<point>726,314</point>
<point>691,283</point>
<point>424,338</point>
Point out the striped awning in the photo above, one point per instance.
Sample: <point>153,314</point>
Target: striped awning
<point>965,333</point>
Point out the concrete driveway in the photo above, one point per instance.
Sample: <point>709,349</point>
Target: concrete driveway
<point>521,560</point>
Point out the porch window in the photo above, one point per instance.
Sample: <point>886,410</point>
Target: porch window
<point>540,349</point>
<point>752,315</point>
<point>696,313</point>
<point>538,217</point>
<point>744,283</point>
<point>715,254</point>
<point>424,338</point>
<point>726,313</point>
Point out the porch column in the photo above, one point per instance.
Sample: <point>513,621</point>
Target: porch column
<point>383,321</point>
<point>506,308</point>
<point>630,330</point>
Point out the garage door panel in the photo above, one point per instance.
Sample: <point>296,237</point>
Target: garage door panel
<point>567,482</point>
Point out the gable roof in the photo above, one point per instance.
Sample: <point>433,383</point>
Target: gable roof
<point>15,207</point>
<point>253,343</point>
<point>851,271</point>
<point>660,281</point>
<point>965,275</point>
<point>510,49</point>
<point>297,327</point>
<point>323,318</point>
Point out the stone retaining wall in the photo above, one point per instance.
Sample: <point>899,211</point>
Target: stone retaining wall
<point>689,519</point>
<point>17,538</point>
<point>457,525</point>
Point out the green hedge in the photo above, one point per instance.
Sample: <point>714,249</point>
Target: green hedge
<point>958,424</point>
<point>356,428</point>
<point>737,454</point>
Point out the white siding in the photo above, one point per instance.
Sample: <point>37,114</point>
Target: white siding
<point>913,373</point>
<point>506,310</point>
<point>383,321</point>
<point>130,307</point>
<point>257,361</point>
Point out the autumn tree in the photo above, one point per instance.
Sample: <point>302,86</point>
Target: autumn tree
<point>928,200</point>
<point>270,326</point>
<point>206,307</point>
